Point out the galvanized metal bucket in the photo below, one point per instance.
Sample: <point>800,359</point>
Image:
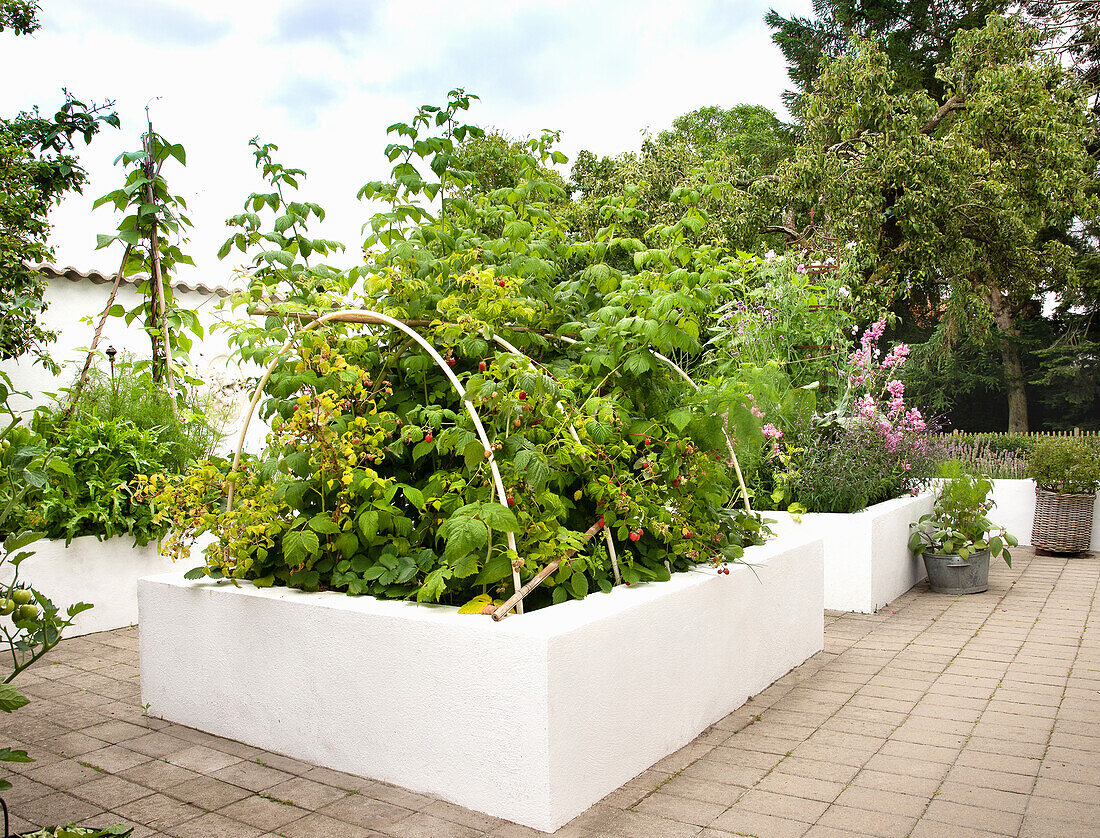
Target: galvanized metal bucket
<point>953,574</point>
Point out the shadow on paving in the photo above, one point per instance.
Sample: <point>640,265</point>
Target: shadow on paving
<point>938,717</point>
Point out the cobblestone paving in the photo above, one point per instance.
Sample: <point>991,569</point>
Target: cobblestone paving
<point>939,717</point>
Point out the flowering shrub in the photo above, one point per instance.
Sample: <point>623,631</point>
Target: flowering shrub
<point>871,448</point>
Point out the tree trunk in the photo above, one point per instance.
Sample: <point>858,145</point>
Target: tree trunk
<point>1010,357</point>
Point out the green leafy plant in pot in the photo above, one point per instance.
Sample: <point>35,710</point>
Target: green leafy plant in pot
<point>956,539</point>
<point>1066,471</point>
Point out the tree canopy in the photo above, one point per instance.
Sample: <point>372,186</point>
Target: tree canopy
<point>963,192</point>
<point>916,35</point>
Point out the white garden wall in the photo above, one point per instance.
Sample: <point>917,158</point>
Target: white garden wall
<point>533,719</point>
<point>104,573</point>
<point>1015,510</point>
<point>73,296</point>
<point>867,558</point>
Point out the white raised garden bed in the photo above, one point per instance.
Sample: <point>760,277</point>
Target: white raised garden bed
<point>1015,510</point>
<point>532,719</point>
<point>104,573</point>
<point>867,558</point>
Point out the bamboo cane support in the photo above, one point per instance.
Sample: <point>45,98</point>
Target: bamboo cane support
<point>516,599</point>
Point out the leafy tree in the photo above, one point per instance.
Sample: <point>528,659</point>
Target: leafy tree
<point>960,193</point>
<point>497,161</point>
<point>751,135</point>
<point>916,35</point>
<point>1072,28</point>
<point>21,16</point>
<point>739,145</point>
<point>37,169</point>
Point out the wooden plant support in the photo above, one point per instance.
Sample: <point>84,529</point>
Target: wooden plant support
<point>576,437</point>
<point>516,599</point>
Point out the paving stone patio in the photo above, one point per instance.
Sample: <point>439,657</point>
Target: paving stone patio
<point>939,717</point>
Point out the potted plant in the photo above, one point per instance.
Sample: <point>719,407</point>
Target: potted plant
<point>1066,471</point>
<point>956,539</point>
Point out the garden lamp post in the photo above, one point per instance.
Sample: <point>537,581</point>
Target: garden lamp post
<point>111,352</point>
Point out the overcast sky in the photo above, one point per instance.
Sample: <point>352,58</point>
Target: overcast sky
<point>323,78</point>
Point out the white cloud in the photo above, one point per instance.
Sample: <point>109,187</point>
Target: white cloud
<point>323,78</point>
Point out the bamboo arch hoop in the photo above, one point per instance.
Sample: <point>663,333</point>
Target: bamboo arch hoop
<point>729,443</point>
<point>368,317</point>
<point>375,318</point>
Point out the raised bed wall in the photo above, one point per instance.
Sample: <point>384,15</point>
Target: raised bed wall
<point>867,558</point>
<point>1015,510</point>
<point>533,719</point>
<point>104,573</point>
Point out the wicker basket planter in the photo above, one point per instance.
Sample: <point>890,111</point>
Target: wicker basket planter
<point>1063,522</point>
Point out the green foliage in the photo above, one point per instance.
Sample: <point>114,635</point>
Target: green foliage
<point>153,229</point>
<point>750,135</point>
<point>376,480</point>
<point>21,16</point>
<point>965,194</point>
<point>646,188</point>
<point>281,266</point>
<point>796,313</point>
<point>958,524</point>
<point>1068,465</point>
<point>186,428</point>
<point>996,456</point>
<point>37,169</point>
<point>498,162</point>
<point>84,460</point>
<point>917,35</point>
<point>92,464</point>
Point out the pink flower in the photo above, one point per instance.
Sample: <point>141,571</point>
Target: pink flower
<point>772,432</point>
<point>873,333</point>
<point>915,421</point>
<point>866,406</point>
<point>896,357</point>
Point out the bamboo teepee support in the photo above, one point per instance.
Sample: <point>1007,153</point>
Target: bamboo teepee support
<point>516,599</point>
<point>379,319</point>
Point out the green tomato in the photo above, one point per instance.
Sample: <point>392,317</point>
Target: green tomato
<point>21,596</point>
<point>6,606</point>
<point>26,612</point>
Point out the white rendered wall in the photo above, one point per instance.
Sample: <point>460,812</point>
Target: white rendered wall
<point>1015,510</point>
<point>71,302</point>
<point>104,573</point>
<point>533,719</point>
<point>867,558</point>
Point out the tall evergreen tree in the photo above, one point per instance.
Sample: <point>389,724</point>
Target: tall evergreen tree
<point>916,35</point>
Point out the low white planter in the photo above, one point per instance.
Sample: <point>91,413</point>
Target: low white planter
<point>104,573</point>
<point>867,559</point>
<point>1015,510</point>
<point>532,719</point>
